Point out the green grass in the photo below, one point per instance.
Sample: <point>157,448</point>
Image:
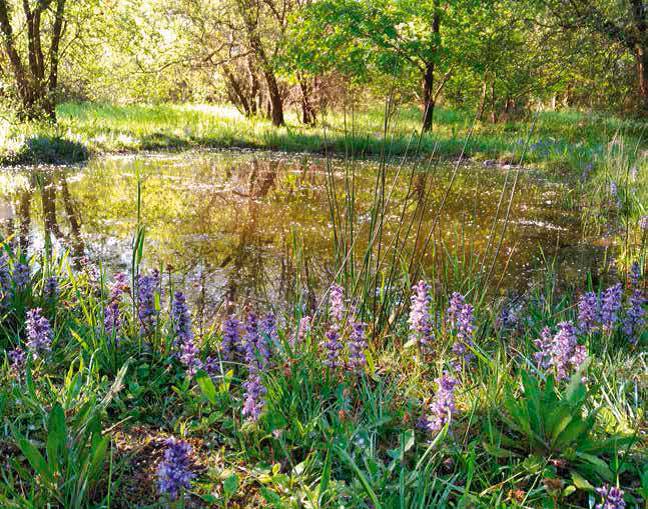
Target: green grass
<point>560,140</point>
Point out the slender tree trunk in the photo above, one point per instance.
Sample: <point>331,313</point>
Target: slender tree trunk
<point>308,110</point>
<point>482,101</point>
<point>429,97</point>
<point>276,101</point>
<point>641,59</point>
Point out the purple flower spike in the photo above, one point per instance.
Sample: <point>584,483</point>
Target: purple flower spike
<point>5,281</point>
<point>253,400</point>
<point>39,333</point>
<point>50,288</point>
<point>231,344</point>
<point>146,311</point>
<point>634,320</point>
<point>302,331</point>
<point>181,319</point>
<point>610,306</point>
<point>419,318</point>
<point>643,223</point>
<point>612,498</point>
<point>562,353</point>
<point>588,312</point>
<point>333,347</point>
<point>257,353</point>
<point>21,275</point>
<point>442,407</point>
<point>18,359</point>
<point>336,311</point>
<point>357,346</point>
<point>174,473</point>
<point>190,356</point>
<point>268,327</point>
<point>461,318</point>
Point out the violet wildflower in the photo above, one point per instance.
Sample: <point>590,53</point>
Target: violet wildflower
<point>461,318</point>
<point>174,472</point>
<point>39,333</point>
<point>561,352</point>
<point>509,316</point>
<point>588,312</point>
<point>257,354</point>
<point>50,289</point>
<point>419,321</point>
<point>303,329</point>
<point>190,356</point>
<point>634,319</point>
<point>119,286</point>
<point>253,400</point>
<point>231,343</point>
<point>336,311</point>
<point>357,346</point>
<point>21,275</point>
<point>112,317</point>
<point>146,311</point>
<point>612,497</point>
<point>610,306</point>
<point>18,359</point>
<point>442,407</point>
<point>268,327</point>
<point>5,280</point>
<point>212,366</point>
<point>181,319</point>
<point>643,223</point>
<point>333,347</point>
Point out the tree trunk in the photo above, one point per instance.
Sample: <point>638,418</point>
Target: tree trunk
<point>276,101</point>
<point>308,110</point>
<point>641,59</point>
<point>482,101</point>
<point>429,97</point>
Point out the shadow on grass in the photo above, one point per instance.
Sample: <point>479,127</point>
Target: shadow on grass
<point>45,149</point>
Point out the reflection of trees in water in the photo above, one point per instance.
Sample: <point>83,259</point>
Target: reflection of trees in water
<point>47,184</point>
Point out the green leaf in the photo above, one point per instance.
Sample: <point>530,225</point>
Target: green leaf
<point>36,460</point>
<point>56,436</point>
<point>580,482</point>
<point>206,386</point>
<point>363,480</point>
<point>230,485</point>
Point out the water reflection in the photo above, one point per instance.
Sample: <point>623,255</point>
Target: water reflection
<point>249,227</point>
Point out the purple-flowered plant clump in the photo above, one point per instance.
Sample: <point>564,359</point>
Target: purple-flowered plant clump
<point>257,353</point>
<point>509,316</point>
<point>610,306</point>
<point>51,288</point>
<point>253,401</point>
<point>39,333</point>
<point>21,276</point>
<point>231,344</point>
<point>190,356</point>
<point>268,328</point>
<point>612,497</point>
<point>5,281</point>
<point>589,314</point>
<point>181,319</point>
<point>420,324</point>
<point>112,313</point>
<point>146,311</point>
<point>560,352</point>
<point>643,223</point>
<point>357,346</point>
<point>461,319</point>
<point>17,359</point>
<point>442,407</point>
<point>333,343</point>
<point>634,320</point>
<point>174,472</point>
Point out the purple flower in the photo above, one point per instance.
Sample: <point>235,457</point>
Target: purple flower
<point>212,366</point>
<point>253,399</point>
<point>231,343</point>
<point>190,356</point>
<point>112,317</point>
<point>612,497</point>
<point>21,275</point>
<point>257,353</point>
<point>461,318</point>
<point>561,352</point>
<point>588,312</point>
<point>39,333</point>
<point>634,319</point>
<point>50,289</point>
<point>509,316</point>
<point>302,330</point>
<point>18,359</point>
<point>643,223</point>
<point>119,286</point>
<point>146,311</point>
<point>610,306</point>
<point>181,319</point>
<point>336,311</point>
<point>5,281</point>
<point>333,347</point>
<point>635,274</point>
<point>268,328</point>
<point>174,473</point>
<point>442,407</point>
<point>419,321</point>
<point>357,346</point>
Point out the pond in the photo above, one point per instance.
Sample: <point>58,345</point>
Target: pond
<point>255,226</point>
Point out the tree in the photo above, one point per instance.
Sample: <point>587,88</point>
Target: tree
<point>33,53</point>
<point>624,22</point>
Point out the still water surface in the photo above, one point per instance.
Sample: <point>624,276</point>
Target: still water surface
<point>249,226</point>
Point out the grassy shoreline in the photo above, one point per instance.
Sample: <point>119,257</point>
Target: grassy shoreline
<point>564,141</point>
